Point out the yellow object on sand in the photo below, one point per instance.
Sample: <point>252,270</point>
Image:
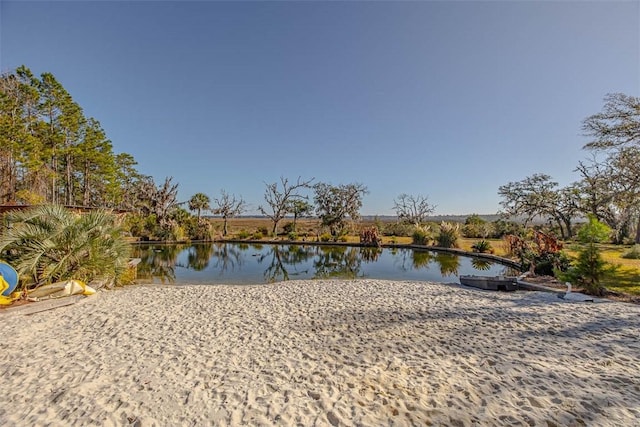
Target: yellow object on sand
<point>3,287</point>
<point>88,290</point>
<point>62,289</point>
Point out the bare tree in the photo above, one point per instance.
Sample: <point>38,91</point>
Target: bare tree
<point>228,206</point>
<point>413,209</point>
<point>279,197</point>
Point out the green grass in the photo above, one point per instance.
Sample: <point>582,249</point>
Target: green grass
<point>625,275</point>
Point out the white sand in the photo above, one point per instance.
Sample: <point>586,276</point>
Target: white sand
<point>365,352</point>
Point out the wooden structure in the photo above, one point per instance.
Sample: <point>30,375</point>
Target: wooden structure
<point>499,283</point>
<point>75,208</point>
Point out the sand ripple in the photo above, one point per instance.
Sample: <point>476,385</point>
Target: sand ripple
<point>365,352</point>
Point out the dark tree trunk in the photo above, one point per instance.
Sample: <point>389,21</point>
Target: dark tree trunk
<point>69,179</point>
<point>85,185</point>
<point>562,233</point>
<point>567,223</point>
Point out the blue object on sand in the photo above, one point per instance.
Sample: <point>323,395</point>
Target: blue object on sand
<point>10,276</point>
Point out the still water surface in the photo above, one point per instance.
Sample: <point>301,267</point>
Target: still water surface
<point>236,263</point>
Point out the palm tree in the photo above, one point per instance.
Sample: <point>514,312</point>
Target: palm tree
<point>198,202</point>
<point>50,243</point>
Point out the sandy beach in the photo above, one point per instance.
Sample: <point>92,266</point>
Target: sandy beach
<point>365,352</point>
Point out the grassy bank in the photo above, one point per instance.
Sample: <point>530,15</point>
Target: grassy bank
<point>624,275</point>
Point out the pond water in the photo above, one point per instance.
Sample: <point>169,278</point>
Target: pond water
<point>237,263</point>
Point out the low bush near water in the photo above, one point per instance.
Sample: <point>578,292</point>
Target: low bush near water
<point>421,236</point>
<point>325,237</point>
<point>482,246</point>
<point>448,235</point>
<point>633,253</point>
<point>243,234</point>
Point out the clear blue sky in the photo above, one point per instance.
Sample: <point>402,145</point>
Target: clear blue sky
<point>444,99</point>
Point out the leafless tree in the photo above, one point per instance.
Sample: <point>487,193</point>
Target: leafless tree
<point>228,206</point>
<point>279,197</point>
<point>413,209</point>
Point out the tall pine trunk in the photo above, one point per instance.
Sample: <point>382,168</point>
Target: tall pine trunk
<point>54,181</point>
<point>69,180</point>
<point>85,184</point>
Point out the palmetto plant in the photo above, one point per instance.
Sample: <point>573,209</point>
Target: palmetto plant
<point>50,243</point>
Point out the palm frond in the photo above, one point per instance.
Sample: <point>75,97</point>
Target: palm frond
<point>50,243</point>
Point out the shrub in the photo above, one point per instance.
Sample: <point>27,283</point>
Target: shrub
<point>482,246</point>
<point>397,229</point>
<point>369,236</point>
<point>144,227</point>
<point>202,230</point>
<point>476,227</point>
<point>589,267</point>
<point>170,231</point>
<point>292,235</point>
<point>421,236</point>
<point>540,253</point>
<point>633,253</point>
<point>551,263</point>
<point>325,237</point>
<point>50,243</point>
<point>243,234</point>
<point>448,235</point>
<point>502,228</point>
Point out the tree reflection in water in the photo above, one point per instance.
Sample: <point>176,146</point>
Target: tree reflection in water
<point>412,259</point>
<point>199,255</point>
<point>225,257</point>
<point>449,264</point>
<point>369,254</point>
<point>260,263</point>
<point>421,259</point>
<point>283,259</point>
<point>480,264</point>
<point>157,261</point>
<point>337,262</point>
